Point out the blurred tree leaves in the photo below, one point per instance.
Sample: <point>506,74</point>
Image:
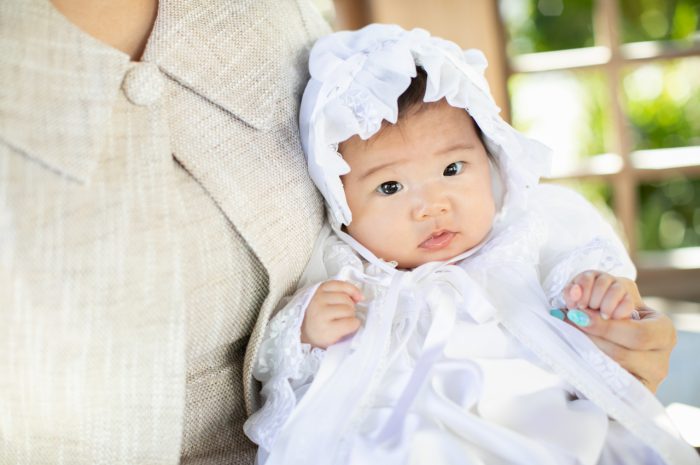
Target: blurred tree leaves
<point>546,25</point>
<point>644,20</point>
<point>661,100</point>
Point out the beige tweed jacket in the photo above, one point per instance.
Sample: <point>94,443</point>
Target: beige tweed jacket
<point>151,216</point>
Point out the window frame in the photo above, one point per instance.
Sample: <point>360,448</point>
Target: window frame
<point>624,169</point>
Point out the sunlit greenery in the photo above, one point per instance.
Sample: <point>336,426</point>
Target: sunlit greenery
<point>566,110</point>
<point>663,103</point>
<point>663,107</point>
<point>661,100</point>
<point>670,214</point>
<point>536,25</point>
<point>545,25</point>
<point>644,20</point>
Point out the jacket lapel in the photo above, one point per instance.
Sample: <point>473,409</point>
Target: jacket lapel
<point>232,67</point>
<point>236,132</point>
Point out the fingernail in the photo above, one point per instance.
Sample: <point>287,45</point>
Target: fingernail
<point>556,313</point>
<point>604,316</point>
<point>578,318</point>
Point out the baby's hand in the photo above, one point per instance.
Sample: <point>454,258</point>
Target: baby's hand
<point>615,297</point>
<point>331,314</point>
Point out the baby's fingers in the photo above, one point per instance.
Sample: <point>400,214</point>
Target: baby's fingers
<point>339,312</point>
<point>335,298</point>
<point>619,310</point>
<point>584,281</point>
<point>602,286</point>
<point>347,326</point>
<point>338,329</point>
<point>342,287</point>
<point>572,294</point>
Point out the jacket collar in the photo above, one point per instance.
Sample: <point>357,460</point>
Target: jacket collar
<point>58,108</point>
<point>204,63</point>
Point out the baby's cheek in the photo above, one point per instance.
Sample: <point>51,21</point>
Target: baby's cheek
<point>384,237</point>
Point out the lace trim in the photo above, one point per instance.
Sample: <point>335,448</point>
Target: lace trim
<point>337,256</point>
<point>598,254</point>
<point>516,237</point>
<point>611,371</point>
<point>283,364</point>
<point>359,102</point>
<point>630,418</point>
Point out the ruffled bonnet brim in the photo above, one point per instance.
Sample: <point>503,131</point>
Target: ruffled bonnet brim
<point>356,80</point>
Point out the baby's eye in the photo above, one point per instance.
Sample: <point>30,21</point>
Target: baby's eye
<point>453,169</point>
<point>389,188</point>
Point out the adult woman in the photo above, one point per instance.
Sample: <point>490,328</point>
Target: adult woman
<point>145,242</point>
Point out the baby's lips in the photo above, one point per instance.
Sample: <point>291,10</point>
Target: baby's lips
<point>438,240</point>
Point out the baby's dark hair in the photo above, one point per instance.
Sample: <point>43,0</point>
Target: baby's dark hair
<point>415,92</point>
<point>412,98</point>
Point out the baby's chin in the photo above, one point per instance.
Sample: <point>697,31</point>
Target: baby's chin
<point>406,263</point>
<point>409,264</point>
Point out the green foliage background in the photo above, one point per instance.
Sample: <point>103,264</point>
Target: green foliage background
<point>668,116</point>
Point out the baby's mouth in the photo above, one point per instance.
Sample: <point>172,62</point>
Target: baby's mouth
<point>438,240</point>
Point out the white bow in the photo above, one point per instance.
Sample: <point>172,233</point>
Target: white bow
<point>334,405</point>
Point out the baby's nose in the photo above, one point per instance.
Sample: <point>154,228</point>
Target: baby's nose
<point>431,205</point>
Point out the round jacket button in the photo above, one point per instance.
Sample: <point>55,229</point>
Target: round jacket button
<point>143,84</point>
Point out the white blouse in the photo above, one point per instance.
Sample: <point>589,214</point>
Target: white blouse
<point>460,362</point>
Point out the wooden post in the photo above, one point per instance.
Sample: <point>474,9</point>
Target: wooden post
<point>470,24</point>
<point>351,14</point>
<point>625,184</point>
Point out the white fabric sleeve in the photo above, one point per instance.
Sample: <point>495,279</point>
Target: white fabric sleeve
<point>284,365</point>
<point>578,239</point>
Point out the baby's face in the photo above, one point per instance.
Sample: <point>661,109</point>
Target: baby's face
<point>420,191</point>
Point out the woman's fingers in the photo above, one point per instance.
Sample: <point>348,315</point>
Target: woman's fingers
<point>653,331</point>
<point>650,367</point>
<point>643,347</point>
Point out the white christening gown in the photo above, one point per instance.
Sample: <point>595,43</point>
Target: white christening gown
<point>461,362</point>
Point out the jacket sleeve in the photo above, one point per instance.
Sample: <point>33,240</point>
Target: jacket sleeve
<point>579,239</point>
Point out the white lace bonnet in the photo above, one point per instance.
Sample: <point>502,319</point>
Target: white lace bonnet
<point>356,80</point>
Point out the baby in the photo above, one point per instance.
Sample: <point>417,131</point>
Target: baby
<point>420,191</point>
<point>422,330</point>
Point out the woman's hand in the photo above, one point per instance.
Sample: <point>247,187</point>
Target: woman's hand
<point>642,347</point>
